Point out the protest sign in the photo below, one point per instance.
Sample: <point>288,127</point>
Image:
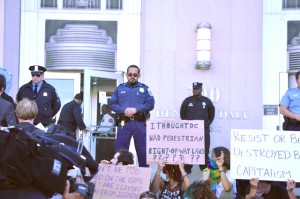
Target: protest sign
<point>115,182</point>
<point>268,155</point>
<point>172,140</point>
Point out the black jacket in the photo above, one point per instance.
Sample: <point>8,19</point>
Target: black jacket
<point>47,101</point>
<point>8,98</point>
<point>70,117</point>
<point>30,128</point>
<point>202,108</point>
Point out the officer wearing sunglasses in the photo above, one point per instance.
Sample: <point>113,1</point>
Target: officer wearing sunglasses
<point>43,94</point>
<point>132,102</point>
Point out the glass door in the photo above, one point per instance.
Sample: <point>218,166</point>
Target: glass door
<point>98,88</point>
<point>66,85</point>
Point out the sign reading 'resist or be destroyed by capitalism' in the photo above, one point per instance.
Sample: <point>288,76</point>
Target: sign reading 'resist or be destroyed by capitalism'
<point>172,140</point>
<point>268,155</point>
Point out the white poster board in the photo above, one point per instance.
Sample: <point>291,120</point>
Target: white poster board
<point>268,155</point>
<point>171,140</point>
<point>119,182</point>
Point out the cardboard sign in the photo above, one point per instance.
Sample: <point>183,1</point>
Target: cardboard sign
<point>112,182</point>
<point>268,155</point>
<point>173,140</point>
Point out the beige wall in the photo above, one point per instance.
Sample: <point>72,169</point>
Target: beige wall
<point>9,40</point>
<point>169,57</point>
<point>1,31</point>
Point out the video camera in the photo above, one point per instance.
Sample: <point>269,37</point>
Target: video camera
<point>77,184</point>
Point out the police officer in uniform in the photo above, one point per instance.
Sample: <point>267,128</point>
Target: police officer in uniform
<point>43,94</point>
<point>107,121</point>
<point>290,107</point>
<point>198,107</point>
<point>132,102</point>
<point>70,117</point>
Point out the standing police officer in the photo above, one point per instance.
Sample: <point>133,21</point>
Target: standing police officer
<point>43,94</point>
<point>132,102</point>
<point>198,107</point>
<point>290,107</point>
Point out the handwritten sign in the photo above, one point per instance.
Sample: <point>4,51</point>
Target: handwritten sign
<point>268,155</point>
<point>112,182</point>
<point>172,140</point>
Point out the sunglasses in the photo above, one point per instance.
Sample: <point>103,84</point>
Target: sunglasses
<point>132,74</point>
<point>35,74</point>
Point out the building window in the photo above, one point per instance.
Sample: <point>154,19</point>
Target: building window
<point>48,3</point>
<point>83,4</point>
<point>114,4</point>
<point>290,4</point>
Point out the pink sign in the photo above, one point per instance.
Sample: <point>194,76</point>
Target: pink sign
<point>171,140</point>
<point>119,182</point>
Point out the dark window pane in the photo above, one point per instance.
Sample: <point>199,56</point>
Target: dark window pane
<point>82,4</point>
<point>290,4</point>
<point>114,4</point>
<point>48,3</point>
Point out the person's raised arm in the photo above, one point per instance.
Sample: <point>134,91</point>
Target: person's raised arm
<point>225,182</point>
<point>185,177</point>
<point>253,188</point>
<point>157,182</point>
<point>290,185</point>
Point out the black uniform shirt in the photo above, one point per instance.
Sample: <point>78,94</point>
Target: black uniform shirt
<point>47,101</point>
<point>70,117</point>
<point>202,108</point>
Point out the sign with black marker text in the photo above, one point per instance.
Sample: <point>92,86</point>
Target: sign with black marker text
<point>172,140</point>
<point>119,182</point>
<point>268,155</point>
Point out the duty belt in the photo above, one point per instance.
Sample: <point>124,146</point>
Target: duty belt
<point>136,117</point>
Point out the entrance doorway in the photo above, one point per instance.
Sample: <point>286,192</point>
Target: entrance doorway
<point>97,87</point>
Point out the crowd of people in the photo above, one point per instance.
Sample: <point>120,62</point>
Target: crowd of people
<point>172,182</point>
<point>37,102</point>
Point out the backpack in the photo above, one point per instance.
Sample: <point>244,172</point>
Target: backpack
<point>40,161</point>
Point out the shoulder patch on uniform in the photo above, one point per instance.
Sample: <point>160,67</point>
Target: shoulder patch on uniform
<point>149,91</point>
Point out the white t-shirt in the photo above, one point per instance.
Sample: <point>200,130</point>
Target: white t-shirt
<point>220,187</point>
<point>107,120</point>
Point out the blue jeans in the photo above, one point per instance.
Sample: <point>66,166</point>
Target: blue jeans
<point>136,129</point>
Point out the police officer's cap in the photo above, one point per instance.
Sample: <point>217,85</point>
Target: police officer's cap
<point>197,85</point>
<point>37,68</point>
